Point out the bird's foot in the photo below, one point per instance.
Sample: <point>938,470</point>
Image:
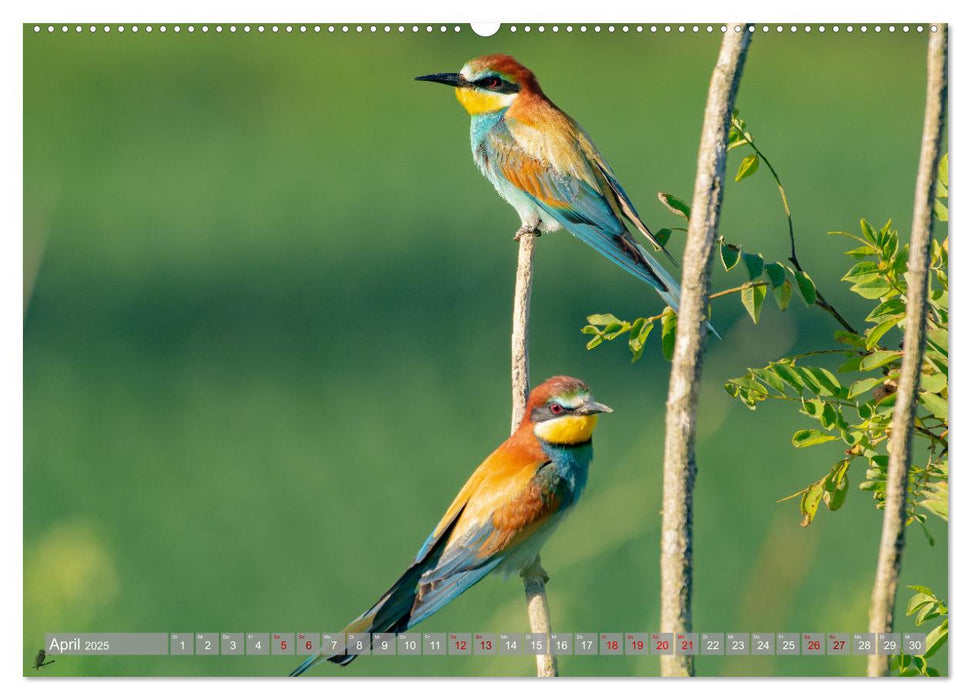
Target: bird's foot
<point>534,570</point>
<point>523,230</point>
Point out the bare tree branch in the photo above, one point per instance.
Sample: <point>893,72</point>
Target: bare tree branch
<point>534,577</point>
<point>898,469</point>
<point>520,327</point>
<point>679,456</point>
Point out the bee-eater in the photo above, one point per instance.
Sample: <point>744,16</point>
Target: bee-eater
<point>545,165</point>
<point>500,519</point>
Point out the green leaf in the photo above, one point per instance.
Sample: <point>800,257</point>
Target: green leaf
<point>935,639</point>
<point>874,334</point>
<point>921,663</point>
<point>891,307</point>
<point>753,264</point>
<point>927,614</point>
<point>830,417</point>
<point>752,298</point>
<point>872,289</point>
<point>862,386</point>
<point>869,233</point>
<point>788,375</point>
<point>747,167</point>
<point>771,379</point>
<point>935,493</point>
<point>862,272</point>
<point>615,330</point>
<point>878,359</point>
<point>940,210</point>
<point>942,170</point>
<point>810,503</point>
<point>934,383</point>
<point>808,380</point>
<point>836,486</point>
<point>812,407</point>
<point>676,205</point>
<point>594,342</point>
<point>730,254</point>
<point>813,436</point>
<point>603,319</point>
<point>861,252</point>
<point>807,288</point>
<point>636,342</point>
<point>783,295</point>
<point>662,236</point>
<point>826,380</point>
<point>918,601</point>
<point>669,325</point>
<point>935,404</point>
<point>847,338</point>
<point>776,273</point>
<point>938,336</point>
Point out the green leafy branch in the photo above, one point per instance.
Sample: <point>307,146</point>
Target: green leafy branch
<point>608,327</point>
<point>854,403</point>
<point>739,136</point>
<point>924,606</point>
<point>781,278</point>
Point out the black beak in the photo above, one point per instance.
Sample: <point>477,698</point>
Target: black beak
<point>591,407</point>
<point>453,79</point>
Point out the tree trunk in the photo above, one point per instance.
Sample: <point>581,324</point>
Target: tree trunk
<point>901,429</point>
<point>679,456</point>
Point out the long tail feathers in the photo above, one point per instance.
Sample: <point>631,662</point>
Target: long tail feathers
<point>393,611</point>
<point>390,614</point>
<point>673,294</point>
<point>633,258</point>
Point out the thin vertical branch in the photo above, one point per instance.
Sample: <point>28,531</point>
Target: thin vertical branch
<point>915,326</point>
<point>679,441</point>
<point>538,610</point>
<point>520,327</point>
<point>534,577</point>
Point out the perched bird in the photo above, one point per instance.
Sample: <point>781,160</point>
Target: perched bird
<point>545,165</point>
<point>40,662</point>
<point>504,514</point>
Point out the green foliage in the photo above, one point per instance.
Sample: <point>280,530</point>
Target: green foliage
<point>675,204</point>
<point>752,298</point>
<point>669,327</point>
<point>747,167</point>
<point>781,278</point>
<point>941,201</point>
<point>853,402</point>
<point>924,606</point>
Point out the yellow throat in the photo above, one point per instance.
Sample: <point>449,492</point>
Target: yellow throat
<point>478,102</point>
<point>567,430</point>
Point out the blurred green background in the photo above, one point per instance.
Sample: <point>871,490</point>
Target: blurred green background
<point>266,336</point>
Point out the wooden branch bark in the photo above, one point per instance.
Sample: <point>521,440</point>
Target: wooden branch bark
<point>898,469</point>
<point>679,441</point>
<point>520,327</point>
<point>534,577</point>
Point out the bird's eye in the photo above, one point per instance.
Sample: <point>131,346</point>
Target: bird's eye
<point>556,409</point>
<point>492,83</point>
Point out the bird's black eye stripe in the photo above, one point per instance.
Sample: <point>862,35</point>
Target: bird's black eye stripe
<point>494,83</point>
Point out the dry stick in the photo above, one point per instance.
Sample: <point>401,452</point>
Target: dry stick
<point>898,469</point>
<point>534,577</point>
<point>679,440</point>
<point>520,327</point>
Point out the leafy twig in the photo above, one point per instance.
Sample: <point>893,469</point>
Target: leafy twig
<point>821,302</point>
